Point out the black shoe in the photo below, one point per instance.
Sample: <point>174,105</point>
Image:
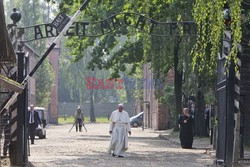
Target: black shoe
<point>113,154</point>
<point>120,156</point>
<point>32,142</point>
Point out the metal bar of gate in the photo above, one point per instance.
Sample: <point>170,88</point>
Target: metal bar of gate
<point>57,39</point>
<point>25,114</point>
<point>17,146</point>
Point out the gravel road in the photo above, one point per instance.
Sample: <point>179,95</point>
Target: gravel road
<point>89,149</point>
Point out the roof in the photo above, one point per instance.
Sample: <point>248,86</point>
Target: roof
<point>7,83</point>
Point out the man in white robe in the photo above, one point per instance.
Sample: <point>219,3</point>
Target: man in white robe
<point>119,129</point>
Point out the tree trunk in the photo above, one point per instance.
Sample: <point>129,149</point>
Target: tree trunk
<point>177,82</point>
<point>129,94</point>
<point>92,109</point>
<point>200,124</point>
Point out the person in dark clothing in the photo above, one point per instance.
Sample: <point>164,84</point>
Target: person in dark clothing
<point>79,118</point>
<point>5,128</point>
<point>34,121</point>
<point>186,129</point>
<point>192,110</point>
<point>207,118</point>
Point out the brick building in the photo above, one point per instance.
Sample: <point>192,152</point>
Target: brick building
<point>7,58</point>
<point>32,55</point>
<point>8,61</point>
<point>53,107</point>
<point>156,115</point>
<point>32,60</point>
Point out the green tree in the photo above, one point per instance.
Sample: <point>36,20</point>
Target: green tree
<point>165,53</point>
<point>73,77</point>
<point>162,59</point>
<point>210,21</point>
<point>44,80</point>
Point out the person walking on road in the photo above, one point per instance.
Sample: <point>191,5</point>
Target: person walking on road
<point>34,122</point>
<point>186,129</point>
<point>119,129</point>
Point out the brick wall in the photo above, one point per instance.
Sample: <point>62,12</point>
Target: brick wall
<point>156,115</point>
<point>164,117</point>
<point>53,109</point>
<point>32,56</point>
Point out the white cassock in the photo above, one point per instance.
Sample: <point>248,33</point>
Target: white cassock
<point>119,125</point>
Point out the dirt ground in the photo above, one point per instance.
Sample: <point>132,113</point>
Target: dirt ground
<point>89,149</point>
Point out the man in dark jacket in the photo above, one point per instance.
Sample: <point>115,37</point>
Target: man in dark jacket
<point>34,121</point>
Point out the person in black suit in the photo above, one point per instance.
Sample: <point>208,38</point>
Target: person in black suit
<point>34,121</point>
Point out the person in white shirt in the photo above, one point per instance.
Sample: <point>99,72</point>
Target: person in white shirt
<point>119,129</point>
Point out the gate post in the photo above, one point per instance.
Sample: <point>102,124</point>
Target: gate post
<point>25,114</point>
<point>225,98</point>
<point>230,115</point>
<point>17,149</point>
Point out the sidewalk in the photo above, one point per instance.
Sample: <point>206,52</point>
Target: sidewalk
<point>199,142</point>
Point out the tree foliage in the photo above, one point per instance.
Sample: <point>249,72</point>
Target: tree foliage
<point>44,80</point>
<point>210,21</point>
<point>73,78</point>
<point>193,58</point>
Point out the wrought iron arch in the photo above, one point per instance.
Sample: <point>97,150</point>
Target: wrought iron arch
<point>113,23</point>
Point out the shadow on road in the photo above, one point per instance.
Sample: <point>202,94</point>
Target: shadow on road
<point>138,159</point>
<point>29,164</point>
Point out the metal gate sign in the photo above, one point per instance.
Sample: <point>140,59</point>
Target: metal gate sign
<point>60,21</point>
<point>110,24</point>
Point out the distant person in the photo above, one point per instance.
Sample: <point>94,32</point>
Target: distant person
<point>5,128</point>
<point>186,129</point>
<point>207,118</point>
<point>193,110</point>
<point>79,118</point>
<point>34,122</point>
<point>119,129</point>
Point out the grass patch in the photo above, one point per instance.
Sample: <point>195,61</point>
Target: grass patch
<point>71,119</point>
